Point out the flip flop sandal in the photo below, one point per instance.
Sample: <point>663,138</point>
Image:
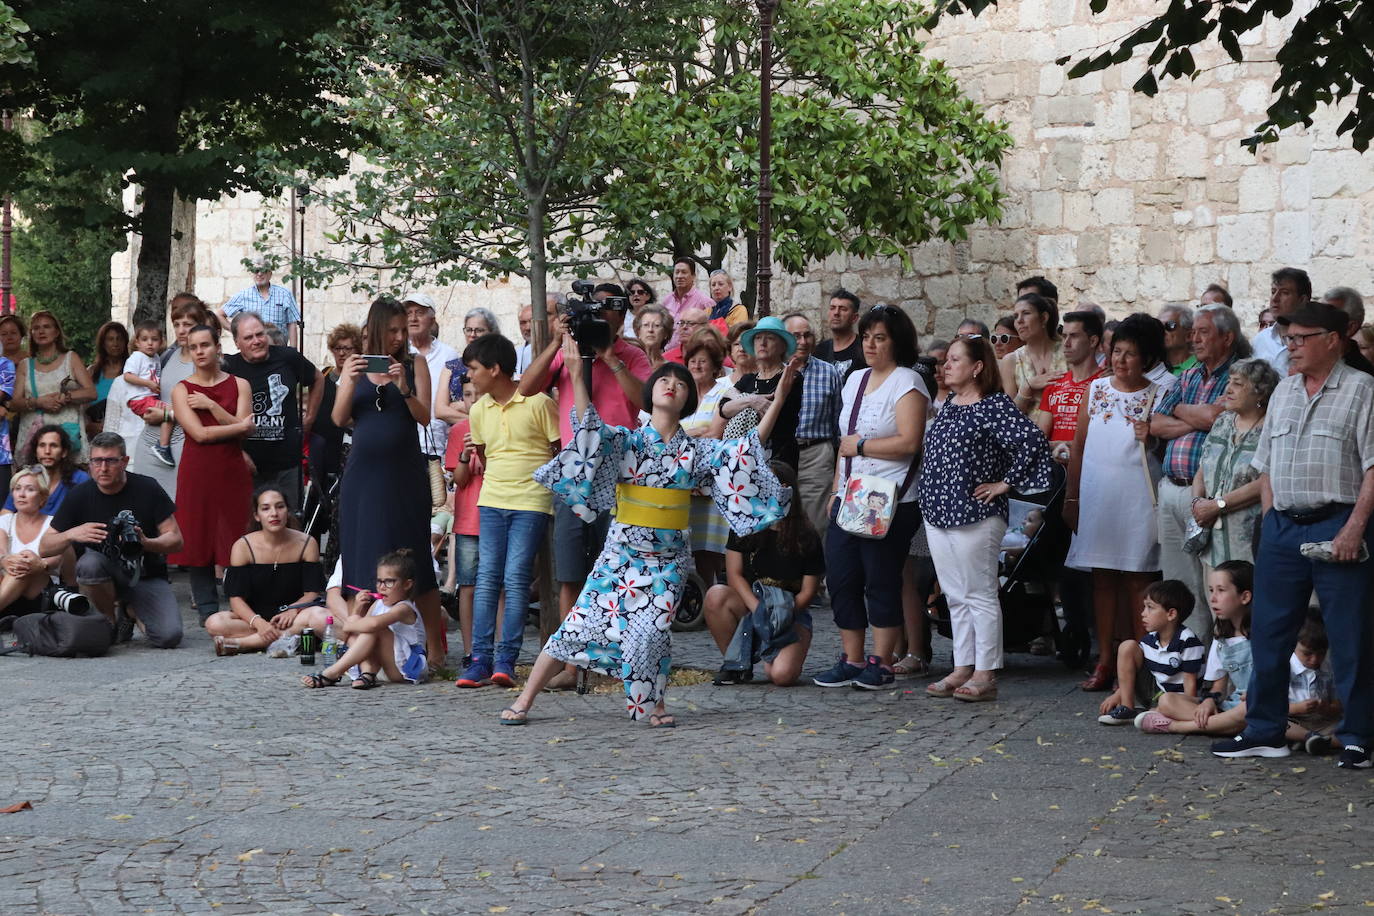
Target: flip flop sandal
<point>977,692</point>
<point>365,680</point>
<point>662,720</point>
<point>518,716</point>
<point>318,679</point>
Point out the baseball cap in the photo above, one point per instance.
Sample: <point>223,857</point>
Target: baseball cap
<point>1318,315</point>
<point>419,298</point>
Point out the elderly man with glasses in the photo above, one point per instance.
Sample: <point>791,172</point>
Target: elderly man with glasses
<point>1316,464</point>
<point>422,329</point>
<point>274,304</point>
<point>1183,417</point>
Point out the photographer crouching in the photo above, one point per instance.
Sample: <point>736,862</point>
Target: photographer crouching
<point>118,567</point>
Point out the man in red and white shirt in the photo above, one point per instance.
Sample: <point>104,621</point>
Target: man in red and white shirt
<point>1058,416</point>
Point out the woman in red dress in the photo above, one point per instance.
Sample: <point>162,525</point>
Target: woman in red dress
<point>213,484</point>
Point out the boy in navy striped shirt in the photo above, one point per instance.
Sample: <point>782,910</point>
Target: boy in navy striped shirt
<point>1169,651</point>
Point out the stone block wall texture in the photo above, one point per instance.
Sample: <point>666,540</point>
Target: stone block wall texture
<point>1120,199</point>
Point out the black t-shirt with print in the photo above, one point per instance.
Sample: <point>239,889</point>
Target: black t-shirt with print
<point>275,443</point>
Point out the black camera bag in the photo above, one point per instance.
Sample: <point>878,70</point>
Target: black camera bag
<point>63,634</point>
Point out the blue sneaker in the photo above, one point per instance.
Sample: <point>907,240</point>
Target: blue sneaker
<point>477,674</point>
<point>874,676</point>
<point>841,675</point>
<point>503,674</point>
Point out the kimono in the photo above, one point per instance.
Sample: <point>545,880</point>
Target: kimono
<point>620,623</point>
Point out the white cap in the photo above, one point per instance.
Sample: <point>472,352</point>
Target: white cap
<point>419,298</point>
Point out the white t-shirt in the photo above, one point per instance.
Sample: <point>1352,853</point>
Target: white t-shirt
<point>439,354</point>
<point>1271,349</point>
<point>145,367</point>
<point>878,420</point>
<point>7,523</point>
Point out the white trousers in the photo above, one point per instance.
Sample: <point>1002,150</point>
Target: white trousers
<point>966,564</point>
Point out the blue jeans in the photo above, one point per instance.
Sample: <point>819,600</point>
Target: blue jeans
<point>1284,580</point>
<point>510,538</point>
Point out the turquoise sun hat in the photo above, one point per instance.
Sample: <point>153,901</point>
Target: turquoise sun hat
<point>769,325</point>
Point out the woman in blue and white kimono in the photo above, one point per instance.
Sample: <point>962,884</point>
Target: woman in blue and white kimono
<point>620,623</point>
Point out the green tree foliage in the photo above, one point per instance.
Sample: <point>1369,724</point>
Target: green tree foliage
<point>12,30</point>
<point>874,147</point>
<point>495,127</point>
<point>189,97</point>
<point>1327,58</point>
<point>62,261</point>
<point>621,133</point>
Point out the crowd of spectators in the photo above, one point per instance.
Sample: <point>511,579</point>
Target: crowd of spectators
<point>1182,489</point>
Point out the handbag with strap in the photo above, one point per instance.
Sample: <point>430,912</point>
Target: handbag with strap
<point>73,430</point>
<point>869,502</point>
<point>434,469</point>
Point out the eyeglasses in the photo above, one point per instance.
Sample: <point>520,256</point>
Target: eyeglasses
<point>475,332</point>
<point>1300,340</point>
<point>388,582</point>
<point>640,292</point>
<point>343,348</point>
<point>106,461</point>
<point>1001,338</point>
<point>886,309</point>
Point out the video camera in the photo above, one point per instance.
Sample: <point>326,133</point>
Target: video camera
<point>585,324</point>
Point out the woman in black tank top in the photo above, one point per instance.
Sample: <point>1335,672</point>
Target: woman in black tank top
<point>271,567</point>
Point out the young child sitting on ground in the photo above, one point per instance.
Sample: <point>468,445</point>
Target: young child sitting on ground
<point>1170,652</point>
<point>1222,711</point>
<point>143,372</point>
<point>787,555</point>
<point>1313,709</point>
<point>385,632</point>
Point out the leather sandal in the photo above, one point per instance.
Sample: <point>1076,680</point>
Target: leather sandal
<point>911,666</point>
<point>1099,681</point>
<point>976,691</point>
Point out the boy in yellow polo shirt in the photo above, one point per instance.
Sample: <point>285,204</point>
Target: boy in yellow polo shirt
<point>514,434</point>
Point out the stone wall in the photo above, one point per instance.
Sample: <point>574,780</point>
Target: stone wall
<point>1120,199</point>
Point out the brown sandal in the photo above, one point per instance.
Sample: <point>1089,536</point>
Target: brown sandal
<point>1100,680</point>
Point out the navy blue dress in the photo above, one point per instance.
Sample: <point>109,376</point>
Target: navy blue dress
<point>384,500</point>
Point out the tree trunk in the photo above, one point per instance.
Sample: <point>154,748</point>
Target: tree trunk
<point>751,272</point>
<point>549,616</point>
<point>154,252</point>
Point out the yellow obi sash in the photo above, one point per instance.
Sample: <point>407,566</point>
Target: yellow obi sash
<point>652,507</point>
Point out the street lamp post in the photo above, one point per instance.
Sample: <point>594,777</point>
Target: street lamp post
<point>765,267</point>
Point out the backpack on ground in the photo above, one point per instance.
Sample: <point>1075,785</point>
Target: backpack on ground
<point>75,631</point>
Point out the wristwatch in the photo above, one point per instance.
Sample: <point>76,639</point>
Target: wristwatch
<point>859,446</point>
<point>1221,504</point>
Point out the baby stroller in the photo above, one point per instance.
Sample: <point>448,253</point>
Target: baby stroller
<point>1029,571</point>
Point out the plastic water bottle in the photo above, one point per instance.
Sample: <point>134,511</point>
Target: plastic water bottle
<point>330,650</point>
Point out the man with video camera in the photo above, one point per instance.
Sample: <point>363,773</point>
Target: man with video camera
<point>118,566</point>
<point>618,373</point>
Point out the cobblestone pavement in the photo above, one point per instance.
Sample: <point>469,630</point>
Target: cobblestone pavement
<point>172,781</point>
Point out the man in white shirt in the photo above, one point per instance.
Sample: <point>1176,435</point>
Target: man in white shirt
<point>423,329</point>
<point>525,352</point>
<point>1289,290</point>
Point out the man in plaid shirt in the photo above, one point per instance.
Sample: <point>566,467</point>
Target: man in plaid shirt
<point>1183,416</point>
<point>273,304</point>
<point>1316,464</point>
<point>817,425</point>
